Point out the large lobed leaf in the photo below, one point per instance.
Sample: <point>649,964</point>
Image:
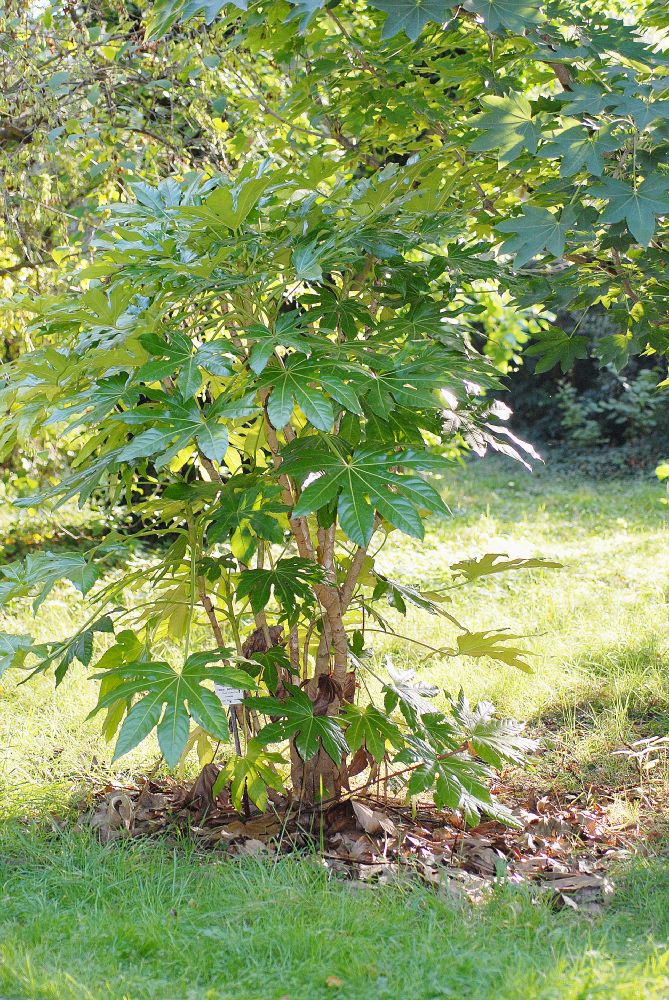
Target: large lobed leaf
<point>362,483</point>
<point>299,723</point>
<point>169,699</point>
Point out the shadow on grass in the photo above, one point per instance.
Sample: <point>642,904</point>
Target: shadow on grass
<point>630,680</point>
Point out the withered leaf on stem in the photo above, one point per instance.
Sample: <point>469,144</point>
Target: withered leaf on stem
<point>328,691</point>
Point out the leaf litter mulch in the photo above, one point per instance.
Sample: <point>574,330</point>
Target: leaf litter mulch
<point>565,845</point>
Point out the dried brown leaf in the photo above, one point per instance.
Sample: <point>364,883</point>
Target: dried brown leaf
<point>372,821</point>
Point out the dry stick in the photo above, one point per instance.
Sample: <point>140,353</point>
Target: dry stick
<point>209,467</point>
<point>205,600</point>
<point>486,202</point>
<point>305,649</point>
<point>206,603</point>
<point>215,476</point>
<point>563,74</point>
<point>261,618</point>
<point>624,280</point>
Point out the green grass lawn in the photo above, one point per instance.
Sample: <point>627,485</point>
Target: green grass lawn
<point>151,920</point>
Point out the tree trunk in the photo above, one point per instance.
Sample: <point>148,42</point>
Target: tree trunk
<point>321,778</point>
<point>316,779</point>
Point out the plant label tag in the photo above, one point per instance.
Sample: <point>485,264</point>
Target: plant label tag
<point>229,695</point>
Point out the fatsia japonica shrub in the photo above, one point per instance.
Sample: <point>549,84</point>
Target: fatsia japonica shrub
<point>281,395</point>
<point>270,364</point>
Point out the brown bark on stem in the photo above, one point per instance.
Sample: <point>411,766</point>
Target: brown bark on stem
<point>320,777</point>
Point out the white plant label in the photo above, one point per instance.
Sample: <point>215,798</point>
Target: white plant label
<point>229,695</point>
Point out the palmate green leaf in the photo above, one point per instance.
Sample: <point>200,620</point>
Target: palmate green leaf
<point>97,402</point>
<point>536,229</point>
<point>457,782</point>
<point>512,15</point>
<point>333,312</point>
<point>254,772</point>
<point>80,648</point>
<point>166,195</point>
<point>228,206</point>
<point>498,562</point>
<point>579,148</point>
<point>179,423</point>
<point>508,125</point>
<point>213,440</point>
<point>175,352</point>
<point>289,330</point>
<point>643,109</point>
<point>414,377</point>
<point>637,206</point>
<point>413,696</point>
<point>306,263</point>
<point>293,381</point>
<point>243,503</point>
<point>398,595</point>
<point>493,643</point>
<point>364,482</point>
<point>304,10</point>
<point>614,350</point>
<point>587,99</point>
<point>154,441</point>
<point>309,731</point>
<point>555,346</point>
<point>179,360</point>
<point>166,13</point>
<point>13,650</point>
<point>42,570</point>
<point>290,581</point>
<point>443,750</point>
<point>367,726</point>
<point>411,16</point>
<point>127,649</point>
<point>169,699</point>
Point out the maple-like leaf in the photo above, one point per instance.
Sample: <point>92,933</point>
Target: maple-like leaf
<point>507,125</point>
<point>637,206</point>
<point>411,16</point>
<point>579,148</point>
<point>512,15</point>
<point>493,643</point>
<point>364,482</point>
<point>289,580</point>
<point>13,650</point>
<point>309,731</point>
<point>42,570</point>
<point>166,13</point>
<point>368,726</point>
<point>254,773</point>
<point>170,698</point>
<point>536,229</point>
<point>496,741</point>
<point>556,346</point>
